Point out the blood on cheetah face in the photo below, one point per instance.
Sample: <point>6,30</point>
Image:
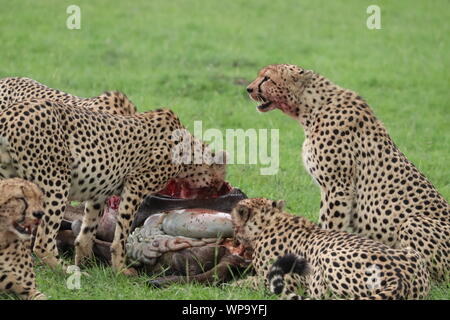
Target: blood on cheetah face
<point>21,207</point>
<point>209,175</point>
<point>249,217</point>
<point>279,86</point>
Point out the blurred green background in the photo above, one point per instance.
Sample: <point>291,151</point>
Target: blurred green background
<point>197,57</point>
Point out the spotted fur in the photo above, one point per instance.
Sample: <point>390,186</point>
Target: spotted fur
<point>367,184</point>
<point>79,154</point>
<point>17,89</point>
<point>21,207</point>
<point>289,263</point>
<point>342,265</point>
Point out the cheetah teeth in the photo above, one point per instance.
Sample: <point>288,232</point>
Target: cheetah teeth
<point>23,229</point>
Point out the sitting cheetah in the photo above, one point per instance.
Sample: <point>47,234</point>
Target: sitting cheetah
<point>367,184</point>
<point>16,89</point>
<point>21,207</point>
<point>78,154</point>
<point>327,263</point>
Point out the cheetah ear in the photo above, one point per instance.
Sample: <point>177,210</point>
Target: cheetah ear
<point>280,204</point>
<point>303,77</point>
<point>9,191</point>
<point>306,76</point>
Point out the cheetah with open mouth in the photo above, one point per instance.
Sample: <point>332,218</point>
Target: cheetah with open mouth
<point>21,208</point>
<point>367,184</point>
<point>291,252</point>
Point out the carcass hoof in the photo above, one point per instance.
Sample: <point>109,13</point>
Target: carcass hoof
<point>154,284</point>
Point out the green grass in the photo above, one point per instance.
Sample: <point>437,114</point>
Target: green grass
<point>196,57</point>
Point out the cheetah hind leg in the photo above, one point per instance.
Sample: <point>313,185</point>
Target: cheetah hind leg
<point>393,290</point>
<point>429,237</point>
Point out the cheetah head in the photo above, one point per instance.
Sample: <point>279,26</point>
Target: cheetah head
<point>279,86</point>
<point>250,216</point>
<point>206,177</point>
<point>21,207</point>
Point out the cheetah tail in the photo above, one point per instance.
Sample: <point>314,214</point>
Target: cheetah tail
<point>289,263</point>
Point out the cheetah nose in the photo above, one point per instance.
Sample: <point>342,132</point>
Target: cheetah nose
<point>249,90</point>
<point>38,214</point>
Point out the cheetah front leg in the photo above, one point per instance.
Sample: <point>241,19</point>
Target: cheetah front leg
<point>35,294</point>
<point>45,243</point>
<point>335,175</point>
<point>24,290</point>
<point>131,200</point>
<point>85,239</point>
<point>336,209</point>
<point>135,189</point>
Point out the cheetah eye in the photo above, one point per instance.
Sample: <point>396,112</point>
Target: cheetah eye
<point>266,78</point>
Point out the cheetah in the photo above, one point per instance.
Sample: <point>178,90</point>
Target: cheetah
<point>367,184</point>
<point>324,263</point>
<point>21,208</point>
<point>79,154</point>
<point>16,89</point>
